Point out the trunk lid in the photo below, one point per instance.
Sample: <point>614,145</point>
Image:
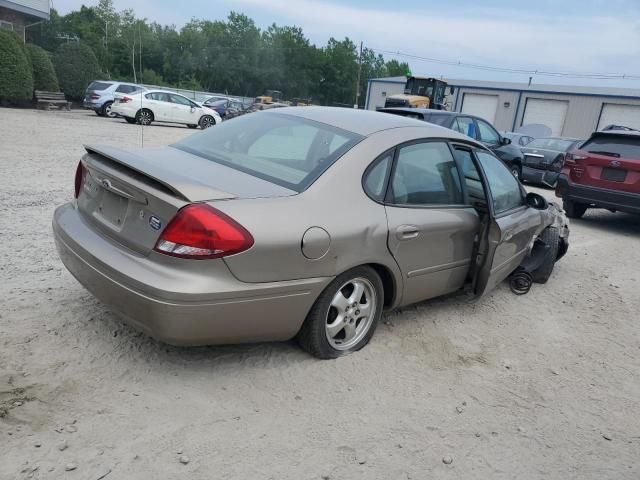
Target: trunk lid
<point>131,195</point>
<point>609,161</point>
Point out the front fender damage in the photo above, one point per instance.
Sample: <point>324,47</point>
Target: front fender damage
<point>543,253</point>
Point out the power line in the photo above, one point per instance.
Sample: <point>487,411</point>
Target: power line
<point>601,76</point>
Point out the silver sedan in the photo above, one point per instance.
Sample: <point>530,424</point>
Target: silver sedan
<point>302,222</point>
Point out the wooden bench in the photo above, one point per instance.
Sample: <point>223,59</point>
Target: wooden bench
<point>49,100</point>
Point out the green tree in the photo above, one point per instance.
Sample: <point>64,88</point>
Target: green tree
<point>339,73</point>
<point>16,78</point>
<point>44,75</point>
<point>76,66</point>
<point>396,68</point>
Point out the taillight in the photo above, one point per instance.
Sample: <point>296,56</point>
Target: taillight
<point>94,96</point>
<point>79,181</point>
<point>570,158</point>
<point>125,99</point>
<point>199,231</point>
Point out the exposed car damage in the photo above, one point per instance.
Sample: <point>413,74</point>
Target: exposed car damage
<point>546,249</point>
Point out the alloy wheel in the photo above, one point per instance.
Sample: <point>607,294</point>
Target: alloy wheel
<point>351,313</point>
<point>145,117</point>
<point>207,122</point>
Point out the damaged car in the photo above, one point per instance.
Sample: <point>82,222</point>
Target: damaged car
<point>305,222</point>
<point>544,159</point>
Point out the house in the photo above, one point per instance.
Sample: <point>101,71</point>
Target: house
<point>18,15</point>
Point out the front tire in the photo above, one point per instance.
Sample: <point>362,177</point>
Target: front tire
<point>207,121</point>
<point>574,209</point>
<point>144,117</point>
<point>345,315</point>
<point>551,237</point>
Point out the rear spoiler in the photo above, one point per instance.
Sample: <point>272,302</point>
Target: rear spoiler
<point>170,180</point>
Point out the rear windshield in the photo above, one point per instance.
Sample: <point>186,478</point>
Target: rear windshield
<point>614,146</point>
<point>99,85</point>
<point>284,149</point>
<point>551,144</point>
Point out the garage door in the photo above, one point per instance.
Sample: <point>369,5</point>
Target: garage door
<point>626,115</point>
<point>484,106</point>
<point>551,113</point>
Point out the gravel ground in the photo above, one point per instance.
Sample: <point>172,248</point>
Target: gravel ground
<point>542,385</point>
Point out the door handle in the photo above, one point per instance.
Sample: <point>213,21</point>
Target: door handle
<point>407,232</point>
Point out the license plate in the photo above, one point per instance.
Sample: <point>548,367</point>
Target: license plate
<point>613,174</point>
<point>113,208</point>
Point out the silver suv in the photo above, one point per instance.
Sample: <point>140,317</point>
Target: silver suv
<point>100,95</point>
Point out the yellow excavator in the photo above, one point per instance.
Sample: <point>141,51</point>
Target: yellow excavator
<point>421,92</point>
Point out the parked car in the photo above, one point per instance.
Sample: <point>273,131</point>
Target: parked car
<point>217,103</point>
<point>544,158</point>
<point>602,173</point>
<point>472,126</point>
<point>234,235</point>
<point>235,108</point>
<point>519,139</point>
<point>160,106</point>
<point>100,95</point>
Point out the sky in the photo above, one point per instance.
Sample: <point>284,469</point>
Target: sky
<point>575,36</point>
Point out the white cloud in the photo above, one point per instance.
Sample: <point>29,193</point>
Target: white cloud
<point>499,37</point>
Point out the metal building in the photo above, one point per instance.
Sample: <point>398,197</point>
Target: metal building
<point>18,15</point>
<point>570,111</point>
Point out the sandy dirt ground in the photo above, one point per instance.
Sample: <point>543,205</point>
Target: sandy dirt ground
<point>545,385</point>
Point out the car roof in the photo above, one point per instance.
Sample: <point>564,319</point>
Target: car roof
<point>616,133</point>
<point>366,122</point>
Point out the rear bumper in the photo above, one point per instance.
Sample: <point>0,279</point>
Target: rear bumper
<point>598,197</point>
<point>92,105</point>
<point>539,176</point>
<point>176,304</point>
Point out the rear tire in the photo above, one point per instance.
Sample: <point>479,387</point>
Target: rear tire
<point>337,324</point>
<point>144,116</point>
<point>573,209</point>
<point>105,111</point>
<point>130,120</point>
<point>551,237</point>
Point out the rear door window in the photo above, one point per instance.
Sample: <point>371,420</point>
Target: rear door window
<point>425,174</point>
<point>614,146</point>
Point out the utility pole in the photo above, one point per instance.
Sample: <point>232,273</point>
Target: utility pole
<point>133,58</point>
<point>358,81</point>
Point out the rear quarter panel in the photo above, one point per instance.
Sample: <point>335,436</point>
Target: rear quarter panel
<point>337,203</point>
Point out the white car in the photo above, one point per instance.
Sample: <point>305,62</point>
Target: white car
<point>162,106</point>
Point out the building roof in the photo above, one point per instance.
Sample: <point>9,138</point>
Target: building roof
<point>535,87</point>
<point>33,8</point>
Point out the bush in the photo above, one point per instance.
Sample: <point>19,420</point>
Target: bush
<point>76,66</point>
<point>16,79</point>
<point>44,76</point>
<point>150,77</point>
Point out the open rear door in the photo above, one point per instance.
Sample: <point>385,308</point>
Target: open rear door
<point>510,229</point>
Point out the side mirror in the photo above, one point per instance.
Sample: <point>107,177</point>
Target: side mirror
<point>536,201</point>
<point>505,141</point>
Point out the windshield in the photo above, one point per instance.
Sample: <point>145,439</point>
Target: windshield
<point>558,144</point>
<point>284,149</point>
